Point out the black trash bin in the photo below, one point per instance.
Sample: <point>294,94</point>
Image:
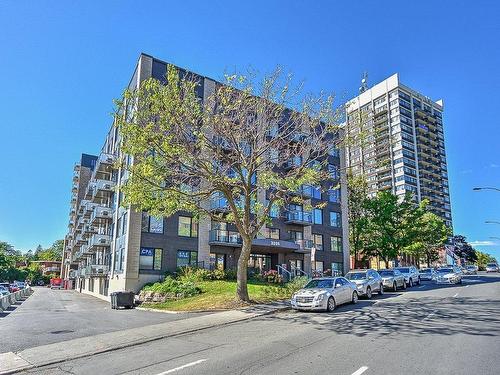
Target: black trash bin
<point>122,299</point>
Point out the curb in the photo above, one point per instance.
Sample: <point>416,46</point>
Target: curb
<point>18,363</point>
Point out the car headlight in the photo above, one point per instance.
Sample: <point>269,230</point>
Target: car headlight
<point>359,286</point>
<point>320,297</point>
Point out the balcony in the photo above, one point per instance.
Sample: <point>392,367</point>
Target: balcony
<point>102,189</point>
<point>99,241</point>
<point>100,215</point>
<point>97,270</point>
<point>224,237</point>
<point>105,162</point>
<point>80,240</point>
<point>298,217</point>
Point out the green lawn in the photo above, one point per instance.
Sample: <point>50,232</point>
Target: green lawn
<point>219,295</point>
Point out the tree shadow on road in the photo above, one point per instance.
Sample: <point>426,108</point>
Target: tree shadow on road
<point>425,315</point>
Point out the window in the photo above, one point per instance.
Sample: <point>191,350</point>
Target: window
<point>334,195</point>
<point>273,233</point>
<point>217,261</point>
<point>188,227</point>
<point>318,266</point>
<point>317,216</point>
<point>151,224</point>
<point>335,219</point>
<point>186,258</point>
<point>150,258</point>
<point>336,244</point>
<point>337,268</point>
<point>317,241</point>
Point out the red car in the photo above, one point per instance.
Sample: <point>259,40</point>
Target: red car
<point>13,288</point>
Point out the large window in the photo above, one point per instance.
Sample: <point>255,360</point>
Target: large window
<point>336,244</point>
<point>317,241</point>
<point>273,233</point>
<point>335,219</point>
<point>318,216</point>
<point>188,227</point>
<point>318,266</point>
<point>217,261</point>
<point>334,195</point>
<point>187,258</point>
<point>150,258</point>
<point>337,268</point>
<point>151,224</point>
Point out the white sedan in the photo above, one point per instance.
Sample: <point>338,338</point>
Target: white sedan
<point>325,294</point>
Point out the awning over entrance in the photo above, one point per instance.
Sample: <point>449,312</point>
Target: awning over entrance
<point>270,246</point>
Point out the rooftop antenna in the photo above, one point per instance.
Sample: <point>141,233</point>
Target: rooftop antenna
<point>364,84</point>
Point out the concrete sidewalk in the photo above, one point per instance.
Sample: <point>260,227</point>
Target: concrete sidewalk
<point>86,346</point>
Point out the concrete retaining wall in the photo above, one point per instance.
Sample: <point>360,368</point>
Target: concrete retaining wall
<point>7,301</point>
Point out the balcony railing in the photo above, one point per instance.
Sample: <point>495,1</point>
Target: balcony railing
<point>298,217</point>
<point>101,214</point>
<point>97,270</point>
<point>105,160</point>
<point>99,240</point>
<point>224,237</point>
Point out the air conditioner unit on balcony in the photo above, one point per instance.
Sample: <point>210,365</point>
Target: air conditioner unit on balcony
<point>102,240</point>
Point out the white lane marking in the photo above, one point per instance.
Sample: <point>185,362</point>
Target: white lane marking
<point>183,367</point>
<point>360,370</point>
<point>455,295</point>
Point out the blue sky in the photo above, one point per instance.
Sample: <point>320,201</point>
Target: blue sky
<point>62,63</point>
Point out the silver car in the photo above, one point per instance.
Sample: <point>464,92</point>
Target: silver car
<point>411,275</point>
<point>367,282</point>
<point>471,270</point>
<point>392,279</point>
<point>427,274</point>
<point>325,294</point>
<point>3,291</point>
<point>448,275</point>
<point>492,267</point>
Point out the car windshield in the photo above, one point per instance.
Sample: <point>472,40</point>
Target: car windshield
<point>404,270</point>
<point>318,283</point>
<point>386,273</point>
<point>445,270</point>
<point>471,267</point>
<point>425,270</point>
<point>356,275</point>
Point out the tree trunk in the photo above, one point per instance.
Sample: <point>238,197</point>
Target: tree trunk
<point>241,273</point>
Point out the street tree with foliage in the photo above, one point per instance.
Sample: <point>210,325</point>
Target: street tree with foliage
<point>431,235</point>
<point>392,224</point>
<point>54,252</point>
<point>358,218</point>
<point>232,147</point>
<point>463,249</point>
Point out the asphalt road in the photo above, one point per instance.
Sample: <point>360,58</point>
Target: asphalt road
<point>426,330</point>
<point>49,316</point>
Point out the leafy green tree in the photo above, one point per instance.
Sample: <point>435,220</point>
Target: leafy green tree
<point>241,148</point>
<point>432,234</point>
<point>5,260</point>
<point>482,259</point>
<point>54,252</point>
<point>393,224</point>
<point>463,249</point>
<point>358,218</point>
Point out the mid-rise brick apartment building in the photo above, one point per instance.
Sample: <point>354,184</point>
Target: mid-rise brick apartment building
<point>118,248</point>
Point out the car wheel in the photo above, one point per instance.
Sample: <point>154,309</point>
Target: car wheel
<point>369,293</point>
<point>395,286</point>
<point>404,285</point>
<point>460,281</point>
<point>330,305</point>
<point>354,299</point>
<point>410,283</point>
<point>381,290</point>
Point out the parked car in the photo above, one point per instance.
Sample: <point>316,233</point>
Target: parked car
<point>492,267</point>
<point>325,294</point>
<point>4,291</point>
<point>392,279</point>
<point>56,283</point>
<point>367,282</point>
<point>13,288</point>
<point>5,285</point>
<point>411,275</point>
<point>471,270</point>
<point>20,284</point>
<point>448,275</point>
<point>426,273</point>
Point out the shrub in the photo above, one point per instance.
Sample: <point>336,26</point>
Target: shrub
<point>272,276</point>
<point>170,285</point>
